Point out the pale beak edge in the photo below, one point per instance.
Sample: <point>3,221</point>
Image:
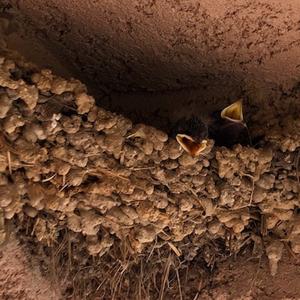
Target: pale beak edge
<point>234,112</point>
<point>190,145</point>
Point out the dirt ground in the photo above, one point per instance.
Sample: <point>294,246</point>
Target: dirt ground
<point>156,61</point>
<point>20,275</point>
<point>243,279</point>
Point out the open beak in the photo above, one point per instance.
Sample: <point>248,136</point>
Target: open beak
<point>234,112</point>
<point>190,145</point>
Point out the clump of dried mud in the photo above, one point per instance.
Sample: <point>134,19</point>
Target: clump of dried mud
<point>117,209</point>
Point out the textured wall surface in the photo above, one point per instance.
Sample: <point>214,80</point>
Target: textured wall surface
<point>169,44</point>
<point>186,52</point>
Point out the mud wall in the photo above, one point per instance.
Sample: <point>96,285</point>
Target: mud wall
<point>166,52</point>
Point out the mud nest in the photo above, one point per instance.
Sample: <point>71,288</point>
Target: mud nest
<point>115,208</point>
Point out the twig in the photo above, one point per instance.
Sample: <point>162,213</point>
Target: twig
<point>117,278</point>
<point>297,170</point>
<point>63,187</point>
<point>5,145</point>
<point>62,104</point>
<point>151,252</point>
<point>263,226</point>
<point>199,289</point>
<point>9,162</point>
<point>179,284</point>
<point>176,251</point>
<point>49,178</point>
<point>142,168</point>
<point>106,172</point>
<point>192,191</point>
<point>140,281</point>
<point>165,278</point>
<point>34,226</point>
<point>255,275</point>
<point>252,192</point>
<point>69,254</point>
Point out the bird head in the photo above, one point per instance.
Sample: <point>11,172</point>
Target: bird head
<point>190,145</point>
<point>191,134</point>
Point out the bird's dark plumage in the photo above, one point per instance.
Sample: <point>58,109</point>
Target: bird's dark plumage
<point>191,134</point>
<point>193,127</point>
<point>226,127</point>
<point>226,133</point>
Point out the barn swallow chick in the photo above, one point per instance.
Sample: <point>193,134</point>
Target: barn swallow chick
<point>228,127</point>
<point>190,145</point>
<point>191,134</point>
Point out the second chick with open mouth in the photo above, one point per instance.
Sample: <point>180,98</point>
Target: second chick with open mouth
<point>192,135</point>
<point>226,128</point>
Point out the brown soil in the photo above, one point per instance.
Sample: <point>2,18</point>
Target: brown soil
<point>246,279</point>
<point>117,210</point>
<point>20,276</point>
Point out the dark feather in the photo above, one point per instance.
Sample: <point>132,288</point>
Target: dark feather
<point>227,133</point>
<point>194,127</point>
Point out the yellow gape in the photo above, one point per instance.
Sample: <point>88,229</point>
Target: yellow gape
<point>191,146</point>
<point>234,112</point>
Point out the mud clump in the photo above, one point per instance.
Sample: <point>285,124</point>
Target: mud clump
<point>72,169</point>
